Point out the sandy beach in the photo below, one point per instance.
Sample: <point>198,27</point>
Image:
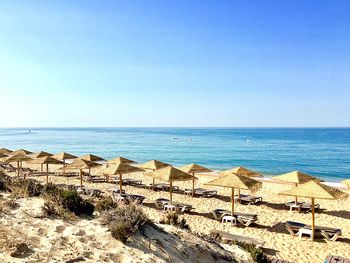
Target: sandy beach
<point>271,215</point>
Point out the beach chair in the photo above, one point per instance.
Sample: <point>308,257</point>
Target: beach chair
<point>219,213</point>
<point>160,202</point>
<point>300,206</point>
<point>246,219</point>
<point>205,192</point>
<point>224,236</point>
<point>138,199</point>
<point>249,199</point>
<point>330,234</point>
<point>183,207</point>
<point>336,259</point>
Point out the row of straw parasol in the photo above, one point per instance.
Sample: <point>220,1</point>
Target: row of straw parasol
<point>238,178</point>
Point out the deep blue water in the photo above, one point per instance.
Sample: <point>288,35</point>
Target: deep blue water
<point>321,152</point>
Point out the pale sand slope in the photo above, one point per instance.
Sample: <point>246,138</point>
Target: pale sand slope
<point>271,214</point>
<point>52,240</point>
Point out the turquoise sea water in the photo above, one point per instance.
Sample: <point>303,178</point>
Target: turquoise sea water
<point>321,152</point>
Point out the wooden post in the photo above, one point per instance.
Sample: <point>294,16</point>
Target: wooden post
<point>18,170</point>
<point>153,184</point>
<point>171,191</point>
<point>239,195</point>
<point>47,173</point>
<point>64,165</point>
<point>233,201</point>
<point>120,183</point>
<point>313,217</point>
<point>81,179</point>
<point>193,188</point>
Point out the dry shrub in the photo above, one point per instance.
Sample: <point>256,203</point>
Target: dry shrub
<point>124,221</point>
<point>172,218</point>
<point>105,204</point>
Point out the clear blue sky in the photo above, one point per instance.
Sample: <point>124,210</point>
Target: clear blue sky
<point>175,63</point>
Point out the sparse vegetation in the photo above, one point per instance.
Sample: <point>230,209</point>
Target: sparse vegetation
<point>172,218</point>
<point>65,204</point>
<point>4,181</point>
<point>105,204</point>
<point>256,253</point>
<point>124,221</point>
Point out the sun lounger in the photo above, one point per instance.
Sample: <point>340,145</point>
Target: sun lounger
<point>183,207</point>
<point>249,199</point>
<point>163,187</point>
<point>219,213</point>
<point>117,191</point>
<point>300,206</point>
<point>201,192</point>
<point>336,259</point>
<point>127,198</point>
<point>224,236</point>
<point>330,234</point>
<point>243,218</point>
<point>138,199</point>
<point>246,219</point>
<point>160,202</point>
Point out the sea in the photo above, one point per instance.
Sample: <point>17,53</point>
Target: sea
<point>322,152</point>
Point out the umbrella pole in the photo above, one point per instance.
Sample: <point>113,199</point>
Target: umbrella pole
<point>120,183</point>
<point>239,195</point>
<point>47,173</point>
<point>313,217</point>
<point>233,201</point>
<point>153,184</point>
<point>171,191</point>
<point>18,170</point>
<point>81,179</point>
<point>64,165</point>
<point>296,197</point>
<point>193,188</point>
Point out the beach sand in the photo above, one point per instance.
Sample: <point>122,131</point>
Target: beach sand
<point>271,215</point>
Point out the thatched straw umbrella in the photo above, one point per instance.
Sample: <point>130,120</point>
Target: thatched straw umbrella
<point>63,156</point>
<point>346,182</point>
<point>120,160</point>
<point>194,169</point>
<point>2,156</point>
<point>17,158</point>
<point>39,155</point>
<point>46,160</point>
<point>314,191</point>
<point>296,178</point>
<point>171,174</point>
<point>92,158</point>
<point>81,164</point>
<point>120,169</point>
<point>153,165</point>
<point>240,170</point>
<point>235,181</point>
<point>22,152</point>
<point>5,151</point>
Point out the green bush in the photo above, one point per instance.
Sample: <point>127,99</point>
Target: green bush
<point>124,221</point>
<point>172,218</point>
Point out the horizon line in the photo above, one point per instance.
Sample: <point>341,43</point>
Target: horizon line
<point>177,127</point>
